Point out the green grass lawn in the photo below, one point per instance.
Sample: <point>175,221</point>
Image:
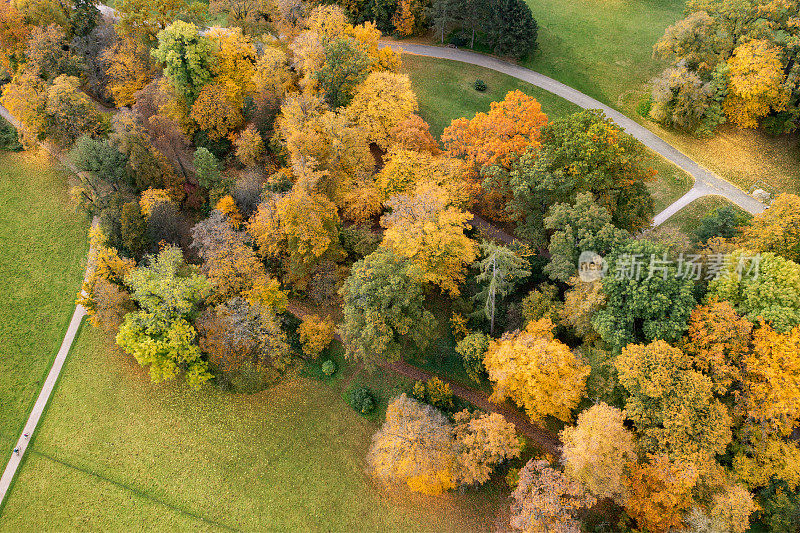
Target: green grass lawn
<point>679,229</point>
<point>115,452</point>
<point>602,47</point>
<point>43,246</point>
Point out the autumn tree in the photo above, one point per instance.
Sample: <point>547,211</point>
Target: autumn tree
<point>660,493</point>
<point>776,230</point>
<point>405,168</point>
<point>500,270</point>
<point>380,103</point>
<point>423,228</point>
<point>583,226</point>
<point>301,230</point>
<point>249,146</point>
<point>672,405</point>
<point>70,112</point>
<point>765,287</point>
<point>383,311</point>
<point>48,54</point>
<point>598,450</point>
<point>581,302</point>
<point>581,152</point>
<point>413,133</point>
<point>188,59</point>
<point>238,334</point>
<point>235,63</point>
<point>494,139</point>
<point>14,32</point>
<point>756,83</point>
<point>129,69</point>
<point>537,371</point>
<point>316,334</point>
<point>415,445</point>
<point>484,441</point>
<point>207,168</point>
<point>546,500</point>
<point>143,19</point>
<point>160,334</point>
<point>643,304</point>
<point>229,263</point>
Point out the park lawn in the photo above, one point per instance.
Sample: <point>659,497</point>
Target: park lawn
<point>679,229</point>
<point>43,246</point>
<point>124,454</point>
<point>603,48</point>
<point>445,92</point>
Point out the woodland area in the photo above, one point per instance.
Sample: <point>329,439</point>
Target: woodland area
<point>264,189</point>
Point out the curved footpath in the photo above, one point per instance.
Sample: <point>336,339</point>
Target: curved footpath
<point>706,183</point>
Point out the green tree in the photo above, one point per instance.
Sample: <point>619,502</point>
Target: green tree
<point>501,270</point>
<point>207,168</point>
<point>472,350</point>
<point>771,293</point>
<point>584,151</point>
<point>723,222</point>
<point>643,305</point>
<point>188,59</point>
<point>583,226</point>
<point>346,66</point>
<point>383,312</point>
<point>160,334</point>
<point>511,27</point>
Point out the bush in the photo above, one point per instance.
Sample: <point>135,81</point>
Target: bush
<point>645,105</point>
<point>435,392</point>
<point>721,222</point>
<point>328,367</point>
<point>362,400</point>
<point>9,140</point>
<point>472,349</point>
<point>480,85</point>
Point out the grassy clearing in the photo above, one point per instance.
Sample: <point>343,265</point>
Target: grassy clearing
<point>42,255</point>
<point>445,91</point>
<point>116,452</point>
<point>679,229</point>
<point>602,47</point>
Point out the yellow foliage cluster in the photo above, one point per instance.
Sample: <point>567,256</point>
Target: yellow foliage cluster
<point>316,334</point>
<point>537,371</point>
<point>756,83</point>
<point>150,198</point>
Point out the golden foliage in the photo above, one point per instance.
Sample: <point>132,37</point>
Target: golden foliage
<point>537,371</point>
<point>776,230</point>
<point>425,229</point>
<point>129,69</point>
<point>598,450</point>
<point>756,83</point>
<point>381,102</point>
<point>316,334</point>
<point>150,198</point>
<point>215,112</point>
<point>660,493</point>
<point>249,146</point>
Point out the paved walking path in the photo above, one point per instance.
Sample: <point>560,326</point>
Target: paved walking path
<point>41,402</point>
<point>706,182</point>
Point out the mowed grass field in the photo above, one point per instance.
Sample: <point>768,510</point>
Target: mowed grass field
<point>43,246</point>
<point>445,92</point>
<point>115,452</point>
<point>679,230</point>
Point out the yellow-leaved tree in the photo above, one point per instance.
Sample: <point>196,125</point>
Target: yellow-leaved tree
<point>424,228</point>
<point>316,333</point>
<point>537,371</point>
<point>599,450</point>
<point>756,83</point>
<point>381,102</point>
<point>776,230</point>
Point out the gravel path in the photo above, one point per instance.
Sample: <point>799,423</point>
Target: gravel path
<point>706,182</point>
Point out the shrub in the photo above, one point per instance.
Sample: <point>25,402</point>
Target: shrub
<point>512,478</point>
<point>472,349</point>
<point>480,86</point>
<point>435,392</point>
<point>328,367</point>
<point>721,222</point>
<point>362,400</point>
<point>9,140</point>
